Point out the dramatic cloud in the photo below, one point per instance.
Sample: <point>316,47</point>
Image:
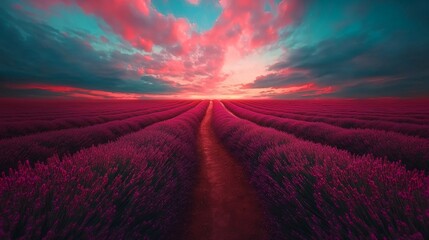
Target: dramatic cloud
<point>247,48</point>
<point>38,54</point>
<point>358,66</point>
<point>134,20</point>
<point>381,59</point>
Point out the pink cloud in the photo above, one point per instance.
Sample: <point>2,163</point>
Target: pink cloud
<point>197,58</point>
<point>135,20</point>
<point>78,92</point>
<point>311,89</point>
<point>243,25</point>
<point>194,2</point>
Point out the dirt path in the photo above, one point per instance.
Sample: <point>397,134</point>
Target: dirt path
<point>225,206</point>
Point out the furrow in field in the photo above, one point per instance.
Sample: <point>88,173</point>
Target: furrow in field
<point>79,112</point>
<point>412,151</point>
<point>134,188</point>
<point>417,109</point>
<point>39,147</point>
<point>225,206</point>
<point>404,128</point>
<point>314,191</point>
<point>371,108</point>
<point>399,118</point>
<point>9,130</point>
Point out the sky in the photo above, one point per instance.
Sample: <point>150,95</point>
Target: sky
<point>199,49</point>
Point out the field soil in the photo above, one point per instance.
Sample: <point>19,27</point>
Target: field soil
<point>224,206</point>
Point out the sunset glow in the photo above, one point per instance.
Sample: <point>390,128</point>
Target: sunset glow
<point>214,119</point>
<point>213,49</point>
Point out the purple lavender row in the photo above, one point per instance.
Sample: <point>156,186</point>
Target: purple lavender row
<point>14,129</point>
<point>416,108</point>
<point>399,118</point>
<point>134,188</point>
<point>404,128</point>
<point>88,109</point>
<point>412,151</point>
<point>39,147</point>
<point>312,191</point>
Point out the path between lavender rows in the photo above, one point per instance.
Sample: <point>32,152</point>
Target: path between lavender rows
<point>224,204</point>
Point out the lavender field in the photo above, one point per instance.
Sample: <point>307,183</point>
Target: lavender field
<point>230,169</point>
<point>214,120</point>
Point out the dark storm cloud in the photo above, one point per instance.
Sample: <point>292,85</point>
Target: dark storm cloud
<point>388,56</point>
<point>278,80</point>
<point>36,53</point>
